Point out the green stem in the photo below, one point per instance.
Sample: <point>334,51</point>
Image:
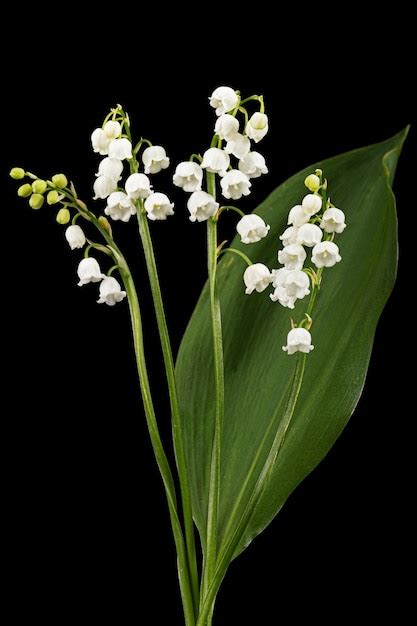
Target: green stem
<point>239,253</point>
<point>173,395</point>
<point>230,208</point>
<point>160,456</point>
<point>227,553</point>
<point>157,446</point>
<point>214,488</point>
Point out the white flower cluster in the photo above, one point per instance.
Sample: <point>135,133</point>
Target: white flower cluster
<point>307,225</point>
<point>121,203</point>
<point>110,290</point>
<point>235,182</point>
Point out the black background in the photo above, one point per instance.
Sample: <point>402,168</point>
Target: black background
<point>86,525</point>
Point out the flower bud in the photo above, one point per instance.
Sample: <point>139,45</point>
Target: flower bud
<point>36,200</point>
<point>52,197</point>
<point>39,186</point>
<point>312,182</point>
<point>60,181</point>
<point>17,173</point>
<point>63,216</point>
<point>24,190</point>
<point>104,223</point>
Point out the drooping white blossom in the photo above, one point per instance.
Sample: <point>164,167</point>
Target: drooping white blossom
<point>74,234</point>
<point>158,206</point>
<point>120,206</point>
<point>120,149</point>
<point>110,168</point>
<point>216,161</point>
<point>235,184</point>
<point>223,99</point>
<point>155,159</point>
<point>252,228</point>
<point>257,127</point>
<point>226,126</point>
<point>298,216</point>
<point>301,213</point>
<point>189,176</point>
<point>138,186</point>
<point>309,235</point>
<point>289,236</point>
<point>292,256</point>
<point>201,206</point>
<point>257,277</point>
<point>298,340</point>
<point>112,129</point>
<point>103,187</point>
<point>110,291</point>
<point>325,254</point>
<point>278,276</point>
<point>290,286</point>
<point>253,165</point>
<point>311,204</point>
<point>89,271</point>
<point>100,141</point>
<point>238,145</point>
<point>333,221</point>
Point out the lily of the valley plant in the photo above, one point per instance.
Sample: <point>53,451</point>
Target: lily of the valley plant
<point>259,411</point>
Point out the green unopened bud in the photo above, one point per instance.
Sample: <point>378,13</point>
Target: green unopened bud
<point>39,186</point>
<point>63,216</point>
<point>17,173</point>
<point>24,190</point>
<point>52,197</point>
<point>60,180</point>
<point>104,223</point>
<point>312,182</point>
<point>36,201</point>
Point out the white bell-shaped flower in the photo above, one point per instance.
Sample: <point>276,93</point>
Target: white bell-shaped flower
<point>112,129</point>
<point>333,221</point>
<point>120,206</point>
<point>216,161</point>
<point>158,206</point>
<point>189,176</point>
<point>279,276</point>
<point>238,145</point>
<point>89,271</point>
<point>289,286</point>
<point>235,184</point>
<point>309,235</point>
<point>138,186</point>
<point>289,236</point>
<point>298,340</point>
<point>311,204</point>
<point>292,256</point>
<point>201,206</point>
<point>257,277</point>
<point>75,236</point>
<point>253,165</point>
<point>223,99</point>
<point>120,149</point>
<point>155,159</point>
<point>298,216</point>
<point>110,168</point>
<point>325,254</point>
<point>100,141</point>
<point>110,291</point>
<point>252,228</point>
<point>226,126</point>
<point>257,127</point>
<point>103,187</point>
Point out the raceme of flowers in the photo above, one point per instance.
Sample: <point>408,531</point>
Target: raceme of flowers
<point>312,225</point>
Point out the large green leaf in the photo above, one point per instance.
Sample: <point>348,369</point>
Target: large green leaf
<point>257,371</point>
